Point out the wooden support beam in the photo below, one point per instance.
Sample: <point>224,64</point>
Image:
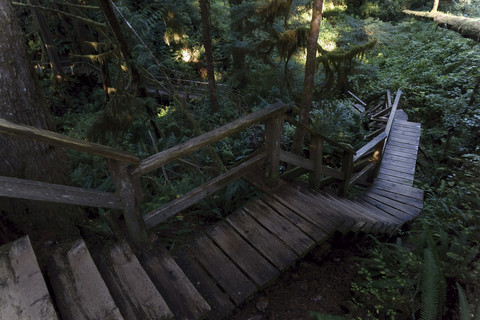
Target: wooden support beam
<point>347,168</point>
<point>316,156</point>
<point>273,133</point>
<point>127,189</point>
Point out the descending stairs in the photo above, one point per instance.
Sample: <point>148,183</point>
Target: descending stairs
<point>220,268</point>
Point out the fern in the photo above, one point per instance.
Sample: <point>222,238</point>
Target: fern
<point>464,309</point>
<point>431,287</point>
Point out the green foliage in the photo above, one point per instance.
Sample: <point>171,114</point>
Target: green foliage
<point>432,287</point>
<point>322,316</point>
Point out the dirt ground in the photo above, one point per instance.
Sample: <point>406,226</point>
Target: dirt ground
<point>319,282</point>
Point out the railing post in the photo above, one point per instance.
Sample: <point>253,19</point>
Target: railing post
<point>347,168</point>
<point>377,159</point>
<point>316,155</point>
<point>273,132</point>
<point>129,191</point>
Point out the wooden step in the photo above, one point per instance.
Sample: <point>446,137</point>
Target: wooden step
<point>181,296</point>
<point>80,292</point>
<point>23,292</point>
<point>129,284</point>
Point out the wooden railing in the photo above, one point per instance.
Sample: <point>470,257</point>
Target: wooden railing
<point>125,168</point>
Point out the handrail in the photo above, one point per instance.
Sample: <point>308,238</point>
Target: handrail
<point>60,140</point>
<point>157,160</point>
<point>370,145</point>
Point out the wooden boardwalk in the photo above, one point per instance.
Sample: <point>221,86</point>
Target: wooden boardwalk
<point>222,267</point>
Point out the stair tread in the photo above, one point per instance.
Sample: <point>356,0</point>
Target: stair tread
<point>80,292</point>
<point>181,296</point>
<point>23,292</point>
<point>131,288</point>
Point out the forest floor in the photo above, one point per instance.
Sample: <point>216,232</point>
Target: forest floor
<point>320,282</point>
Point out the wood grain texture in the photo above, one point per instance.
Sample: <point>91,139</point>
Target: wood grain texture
<point>23,292</point>
<point>60,140</point>
<point>180,294</point>
<point>266,242</point>
<point>242,253</point>
<point>222,269</point>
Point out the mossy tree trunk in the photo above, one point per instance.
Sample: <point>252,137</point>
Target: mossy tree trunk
<point>435,6</point>
<point>22,101</point>
<point>309,82</point>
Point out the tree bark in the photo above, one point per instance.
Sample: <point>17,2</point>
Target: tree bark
<point>467,27</point>
<point>207,43</point>
<point>22,101</point>
<point>309,82</point>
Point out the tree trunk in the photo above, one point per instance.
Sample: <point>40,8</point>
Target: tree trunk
<point>207,43</point>
<point>240,70</point>
<point>22,101</point>
<point>435,6</point>
<point>309,82</point>
<point>47,40</point>
<point>467,27</point>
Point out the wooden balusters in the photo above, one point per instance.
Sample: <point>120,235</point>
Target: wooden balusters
<point>316,155</point>
<point>273,132</point>
<point>129,191</point>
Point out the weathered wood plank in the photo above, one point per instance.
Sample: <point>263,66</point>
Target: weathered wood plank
<point>392,114</point>
<point>155,217</point>
<point>310,229</point>
<point>35,190</point>
<point>401,161</point>
<point>80,292</point>
<point>405,207</point>
<point>404,146</point>
<point>129,284</point>
<point>267,243</point>
<point>401,154</point>
<point>389,210</point>
<point>308,164</point>
<point>174,286</point>
<point>295,200</point>
<point>357,98</point>
<point>396,173</point>
<point>60,140</point>
<point>278,225</point>
<point>390,178</point>
<point>316,155</point>
<point>157,160</point>
<point>218,300</point>
<point>400,189</point>
<point>23,292</point>
<point>244,256</point>
<point>219,266</point>
<point>387,165</point>
<point>391,194</point>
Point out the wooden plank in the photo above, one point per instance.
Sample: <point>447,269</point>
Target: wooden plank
<point>369,146</point>
<point>23,292</point>
<point>408,141</point>
<point>35,190</point>
<point>326,219</point>
<point>267,243</point>
<point>347,168</point>
<point>365,170</point>
<point>375,212</point>
<point>155,217</point>
<point>397,167</point>
<point>400,189</point>
<point>297,161</point>
<point>402,161</point>
<point>60,140</point>
<point>303,224</point>
<point>391,194</point>
<point>404,146</point>
<point>389,178</point>
<point>80,292</point>
<point>399,220</point>
<point>219,266</point>
<point>388,210</point>
<point>408,209</point>
<point>396,173</point>
<point>357,98</point>
<point>399,131</point>
<point>392,114</point>
<point>242,254</point>
<point>316,155</point>
<point>157,160</point>
<point>218,300</point>
<point>278,225</point>
<point>174,286</point>
<point>389,151</point>
<point>129,284</point>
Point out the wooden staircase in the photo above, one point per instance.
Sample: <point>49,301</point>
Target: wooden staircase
<point>220,268</point>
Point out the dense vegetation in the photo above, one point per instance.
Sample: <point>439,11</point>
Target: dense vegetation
<point>432,269</point>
